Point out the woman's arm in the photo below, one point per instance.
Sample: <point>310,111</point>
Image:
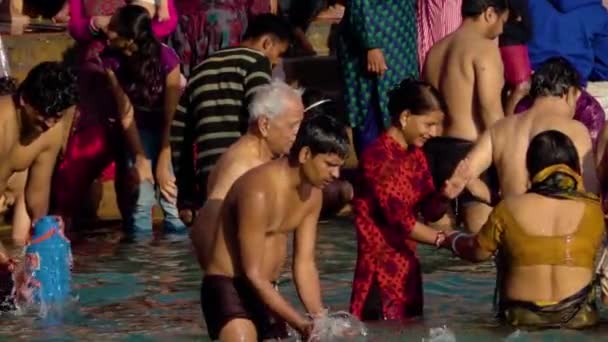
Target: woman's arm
<point>480,247</point>
<point>166,180</point>
<point>393,201</point>
<point>163,28</point>
<point>79,22</point>
<point>126,112</point>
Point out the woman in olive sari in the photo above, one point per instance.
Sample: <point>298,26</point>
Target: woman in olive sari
<point>547,241</point>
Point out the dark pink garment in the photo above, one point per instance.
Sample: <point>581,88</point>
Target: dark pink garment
<point>517,64</point>
<point>81,12</point>
<point>588,111</point>
<point>145,116</point>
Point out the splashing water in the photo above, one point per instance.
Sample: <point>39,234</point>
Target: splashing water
<point>338,326</point>
<point>440,334</point>
<point>42,280</point>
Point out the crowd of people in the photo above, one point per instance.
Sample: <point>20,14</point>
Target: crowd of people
<point>454,123</point>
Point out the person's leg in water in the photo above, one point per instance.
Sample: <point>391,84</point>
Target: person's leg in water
<point>172,220</point>
<point>142,192</point>
<point>145,194</point>
<point>239,329</point>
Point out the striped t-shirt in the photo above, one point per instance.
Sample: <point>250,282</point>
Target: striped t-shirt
<point>213,110</point>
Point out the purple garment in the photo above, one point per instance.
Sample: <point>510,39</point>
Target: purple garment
<point>150,117</point>
<point>588,111</point>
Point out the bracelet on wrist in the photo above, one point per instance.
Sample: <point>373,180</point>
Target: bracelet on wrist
<point>454,243</point>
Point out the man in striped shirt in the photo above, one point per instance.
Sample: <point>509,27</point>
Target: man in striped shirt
<point>213,112</point>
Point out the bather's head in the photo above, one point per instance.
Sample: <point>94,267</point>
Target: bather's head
<point>270,34</point>
<point>557,77</point>
<point>49,89</point>
<point>489,16</point>
<point>320,149</point>
<point>417,109</point>
<point>275,114</point>
<point>551,148</point>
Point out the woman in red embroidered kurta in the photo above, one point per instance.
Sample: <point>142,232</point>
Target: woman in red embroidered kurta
<point>395,185</point>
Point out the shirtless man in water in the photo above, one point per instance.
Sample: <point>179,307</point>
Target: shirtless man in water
<point>34,124</point>
<point>467,69</point>
<point>555,90</point>
<point>261,209</point>
<point>276,111</point>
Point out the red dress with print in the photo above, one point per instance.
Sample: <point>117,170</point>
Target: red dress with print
<point>395,185</point>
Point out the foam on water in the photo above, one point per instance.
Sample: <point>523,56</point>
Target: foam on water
<point>440,334</point>
<point>338,326</point>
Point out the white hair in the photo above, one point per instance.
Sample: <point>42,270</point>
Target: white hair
<point>271,99</point>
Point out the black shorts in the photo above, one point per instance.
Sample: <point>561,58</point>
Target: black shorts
<point>224,299</point>
<point>443,155</point>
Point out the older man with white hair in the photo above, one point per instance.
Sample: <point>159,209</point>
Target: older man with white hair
<point>275,113</point>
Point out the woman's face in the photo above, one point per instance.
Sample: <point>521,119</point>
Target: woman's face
<point>417,129</point>
<point>115,41</point>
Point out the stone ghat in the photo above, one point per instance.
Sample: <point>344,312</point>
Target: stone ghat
<point>30,45</point>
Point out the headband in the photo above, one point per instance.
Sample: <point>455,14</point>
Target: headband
<point>316,104</point>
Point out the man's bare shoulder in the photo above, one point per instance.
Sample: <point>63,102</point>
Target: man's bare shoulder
<point>257,179</point>
<point>485,52</point>
<point>577,129</point>
<point>7,109</point>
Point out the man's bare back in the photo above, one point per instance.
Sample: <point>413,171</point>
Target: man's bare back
<point>511,138</point>
<point>241,157</point>
<point>555,92</point>
<point>468,71</point>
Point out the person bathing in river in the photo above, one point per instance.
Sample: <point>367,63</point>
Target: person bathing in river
<point>34,127</point>
<point>148,72</point>
<point>261,209</point>
<point>555,90</point>
<point>395,186</point>
<point>276,112</point>
<point>547,239</point>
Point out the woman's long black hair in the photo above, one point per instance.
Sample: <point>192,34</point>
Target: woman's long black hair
<point>143,69</point>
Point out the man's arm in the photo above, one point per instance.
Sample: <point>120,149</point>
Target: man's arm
<point>489,81</point>
<point>38,187</point>
<point>253,213</point>
<point>305,271</point>
<point>479,160</point>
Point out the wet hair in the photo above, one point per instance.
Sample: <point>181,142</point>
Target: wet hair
<point>50,88</point>
<point>474,8</point>
<point>554,77</point>
<point>317,103</point>
<point>269,24</point>
<point>270,100</point>
<point>143,68</point>
<point>551,148</point>
<point>417,97</point>
<point>8,86</point>
<point>322,134</point>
